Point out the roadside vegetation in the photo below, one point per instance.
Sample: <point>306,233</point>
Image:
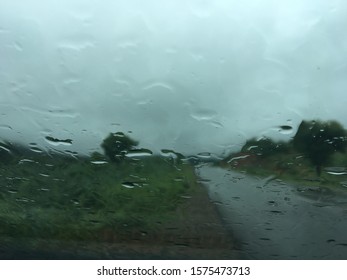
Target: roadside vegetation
<point>315,156</point>
<point>102,197</point>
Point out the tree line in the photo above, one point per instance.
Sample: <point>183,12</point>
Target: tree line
<point>317,140</point>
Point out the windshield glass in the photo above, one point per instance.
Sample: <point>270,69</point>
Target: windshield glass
<point>170,130</point>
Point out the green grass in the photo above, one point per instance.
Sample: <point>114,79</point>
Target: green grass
<point>69,199</point>
<point>294,168</point>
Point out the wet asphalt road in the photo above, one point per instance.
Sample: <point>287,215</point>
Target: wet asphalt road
<point>274,220</point>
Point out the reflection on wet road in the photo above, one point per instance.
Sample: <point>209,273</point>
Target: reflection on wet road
<point>273,220</point>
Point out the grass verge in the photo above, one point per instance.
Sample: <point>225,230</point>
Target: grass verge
<point>147,202</point>
<point>293,168</point>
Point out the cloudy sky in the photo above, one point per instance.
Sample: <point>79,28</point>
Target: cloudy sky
<point>194,76</point>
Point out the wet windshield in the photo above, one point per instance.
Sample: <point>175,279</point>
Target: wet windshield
<point>151,130</point>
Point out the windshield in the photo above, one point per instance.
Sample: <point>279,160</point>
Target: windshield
<point>151,130</point>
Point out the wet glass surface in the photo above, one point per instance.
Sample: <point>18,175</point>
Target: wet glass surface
<point>151,130</point>
<point>272,219</point>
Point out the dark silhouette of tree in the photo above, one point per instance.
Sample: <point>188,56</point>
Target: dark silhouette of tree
<point>117,145</point>
<point>264,147</point>
<point>319,140</point>
<point>7,153</point>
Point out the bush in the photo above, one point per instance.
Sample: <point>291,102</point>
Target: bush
<point>319,141</point>
<point>264,147</point>
<point>117,145</point>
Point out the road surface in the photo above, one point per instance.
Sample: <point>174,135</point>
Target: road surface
<point>274,220</point>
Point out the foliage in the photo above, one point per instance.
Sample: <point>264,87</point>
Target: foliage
<point>10,151</point>
<point>82,200</point>
<point>117,145</point>
<point>5,153</point>
<point>319,141</point>
<point>264,147</point>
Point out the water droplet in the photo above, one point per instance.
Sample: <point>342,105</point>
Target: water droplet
<point>237,158</point>
<point>3,147</point>
<point>56,142</point>
<point>7,127</point>
<point>178,179</point>
<point>131,185</point>
<point>171,154</point>
<point>36,150</point>
<point>204,114</point>
<point>204,155</point>
<point>75,201</point>
<point>139,153</point>
<point>13,191</point>
<point>285,129</point>
<point>217,124</point>
<point>23,199</point>
<point>218,202</point>
<point>337,171</point>
<point>26,161</point>
<point>272,203</point>
<point>98,162</point>
<point>71,153</point>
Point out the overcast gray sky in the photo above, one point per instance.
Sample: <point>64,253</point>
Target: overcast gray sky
<point>194,76</point>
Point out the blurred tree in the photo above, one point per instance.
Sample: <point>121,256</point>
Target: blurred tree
<point>264,147</point>
<point>117,145</point>
<point>11,151</point>
<point>319,140</point>
<point>6,152</point>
